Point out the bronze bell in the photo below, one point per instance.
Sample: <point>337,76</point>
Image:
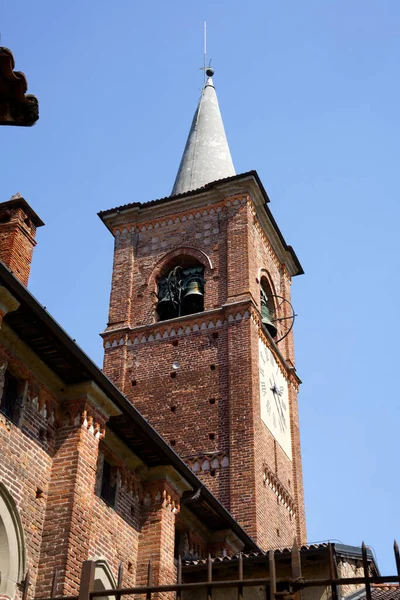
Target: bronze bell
<point>166,308</point>
<point>266,320</point>
<point>193,297</point>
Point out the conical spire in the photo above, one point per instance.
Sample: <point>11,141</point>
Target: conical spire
<point>206,156</point>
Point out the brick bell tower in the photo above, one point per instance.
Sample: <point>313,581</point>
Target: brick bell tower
<point>199,335</point>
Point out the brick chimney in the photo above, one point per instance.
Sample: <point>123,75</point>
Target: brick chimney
<point>18,223</point>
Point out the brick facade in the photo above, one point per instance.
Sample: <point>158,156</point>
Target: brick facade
<point>209,408</point>
<point>54,448</point>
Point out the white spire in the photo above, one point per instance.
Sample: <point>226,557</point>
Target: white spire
<point>206,156</point>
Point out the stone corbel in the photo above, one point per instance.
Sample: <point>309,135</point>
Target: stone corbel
<point>7,303</point>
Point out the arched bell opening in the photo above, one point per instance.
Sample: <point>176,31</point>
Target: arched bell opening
<point>268,313</point>
<point>180,288</point>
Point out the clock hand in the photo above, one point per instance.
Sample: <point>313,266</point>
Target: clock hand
<point>279,406</point>
<point>279,412</point>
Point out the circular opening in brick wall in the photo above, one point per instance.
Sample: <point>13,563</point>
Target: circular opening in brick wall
<point>173,408</point>
<point>175,343</point>
<point>212,367</point>
<point>215,335</point>
<point>212,401</point>
<point>211,436</point>
<point>173,374</point>
<point>212,472</point>
<point>172,442</point>
<point>134,382</point>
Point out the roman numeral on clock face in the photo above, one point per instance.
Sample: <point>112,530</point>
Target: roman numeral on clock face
<point>264,388</point>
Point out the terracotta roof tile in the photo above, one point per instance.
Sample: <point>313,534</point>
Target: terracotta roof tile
<point>16,106</point>
<point>379,591</point>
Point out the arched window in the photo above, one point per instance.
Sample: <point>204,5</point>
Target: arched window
<point>267,307</point>
<point>180,288</point>
<point>12,547</point>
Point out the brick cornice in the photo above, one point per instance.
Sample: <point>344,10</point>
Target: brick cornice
<point>156,217</point>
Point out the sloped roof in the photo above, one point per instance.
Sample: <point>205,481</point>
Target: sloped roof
<point>385,591</point>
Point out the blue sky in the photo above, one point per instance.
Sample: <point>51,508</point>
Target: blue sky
<point>309,93</point>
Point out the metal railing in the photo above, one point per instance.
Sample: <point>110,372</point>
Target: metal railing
<point>290,587</point>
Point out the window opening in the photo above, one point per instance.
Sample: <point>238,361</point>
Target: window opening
<point>181,292</point>
<point>108,484</point>
<point>10,403</point>
<point>267,308</point>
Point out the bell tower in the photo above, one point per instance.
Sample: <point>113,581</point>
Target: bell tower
<point>199,335</point>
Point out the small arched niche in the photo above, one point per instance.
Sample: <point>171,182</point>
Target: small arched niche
<point>268,311</point>
<point>12,546</point>
<point>180,288</point>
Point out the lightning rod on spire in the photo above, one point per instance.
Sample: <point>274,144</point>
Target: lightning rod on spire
<point>205,50</point>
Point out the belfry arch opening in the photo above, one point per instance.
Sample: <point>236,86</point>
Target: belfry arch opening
<point>268,313</point>
<point>180,288</point>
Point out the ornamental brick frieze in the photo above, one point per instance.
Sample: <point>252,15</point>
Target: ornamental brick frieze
<point>76,414</point>
<point>183,216</point>
<point>131,484</point>
<point>165,332</point>
<point>284,497</point>
<point>32,398</point>
<point>160,495</point>
<point>208,462</point>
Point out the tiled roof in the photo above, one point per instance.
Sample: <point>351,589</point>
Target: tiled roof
<point>205,187</point>
<point>384,591</point>
<point>16,106</point>
<point>254,555</point>
<point>339,549</point>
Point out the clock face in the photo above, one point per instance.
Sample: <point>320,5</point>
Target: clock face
<point>274,398</point>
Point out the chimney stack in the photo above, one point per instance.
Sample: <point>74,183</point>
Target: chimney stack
<point>18,223</point>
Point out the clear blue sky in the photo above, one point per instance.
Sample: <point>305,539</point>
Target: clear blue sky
<point>309,93</point>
